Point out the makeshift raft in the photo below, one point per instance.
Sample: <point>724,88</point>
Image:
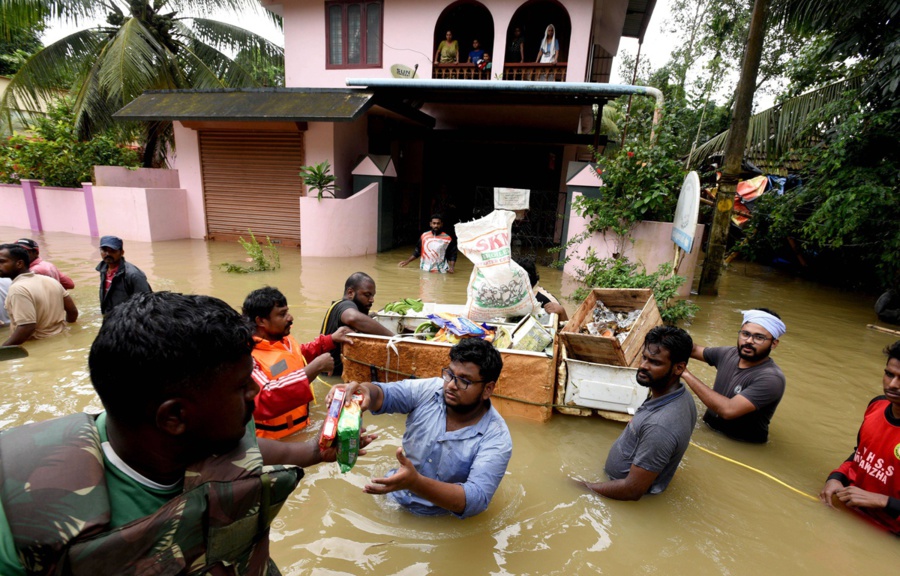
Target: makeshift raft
<point>582,374</point>
<point>596,373</point>
<point>525,387</point>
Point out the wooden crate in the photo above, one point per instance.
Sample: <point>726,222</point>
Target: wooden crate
<point>525,388</point>
<point>600,350</point>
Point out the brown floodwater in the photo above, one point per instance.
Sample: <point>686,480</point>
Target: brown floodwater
<point>717,517</point>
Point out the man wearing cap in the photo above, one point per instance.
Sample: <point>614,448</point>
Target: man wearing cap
<point>43,267</point>
<point>749,385</point>
<point>119,280</point>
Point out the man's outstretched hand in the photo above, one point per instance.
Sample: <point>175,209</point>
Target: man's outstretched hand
<point>405,478</point>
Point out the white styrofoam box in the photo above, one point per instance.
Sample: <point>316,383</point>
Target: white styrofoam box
<point>603,387</point>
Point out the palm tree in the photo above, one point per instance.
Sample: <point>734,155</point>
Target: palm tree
<point>860,30</point>
<point>144,45</point>
<point>786,126</point>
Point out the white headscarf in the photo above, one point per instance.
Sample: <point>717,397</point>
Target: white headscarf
<point>545,48</point>
<point>771,323</point>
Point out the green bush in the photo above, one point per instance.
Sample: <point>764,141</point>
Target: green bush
<point>263,257</point>
<point>844,216</point>
<point>640,182</point>
<point>318,177</point>
<point>56,156</point>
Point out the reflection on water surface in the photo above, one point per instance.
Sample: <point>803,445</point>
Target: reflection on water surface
<point>715,518</point>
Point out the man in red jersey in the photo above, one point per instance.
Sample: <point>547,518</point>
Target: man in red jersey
<point>869,480</point>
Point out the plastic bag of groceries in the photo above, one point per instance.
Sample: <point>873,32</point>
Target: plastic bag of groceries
<point>498,286</point>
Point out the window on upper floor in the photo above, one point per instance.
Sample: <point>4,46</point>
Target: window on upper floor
<point>353,34</point>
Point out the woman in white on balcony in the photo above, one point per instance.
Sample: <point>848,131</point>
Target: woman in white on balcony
<point>549,47</point>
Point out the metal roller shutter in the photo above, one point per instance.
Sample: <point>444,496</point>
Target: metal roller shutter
<point>251,181</point>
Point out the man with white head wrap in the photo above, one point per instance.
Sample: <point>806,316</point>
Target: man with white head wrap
<point>749,385</point>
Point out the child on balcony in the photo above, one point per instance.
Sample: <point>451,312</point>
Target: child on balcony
<point>477,53</point>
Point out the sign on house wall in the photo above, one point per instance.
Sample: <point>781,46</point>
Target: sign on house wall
<point>687,212</point>
<point>511,198</point>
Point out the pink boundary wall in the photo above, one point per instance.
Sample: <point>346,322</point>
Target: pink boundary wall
<point>64,210</point>
<point>144,214</point>
<point>14,213</point>
<point>133,213</point>
<point>652,246</point>
<point>340,227</point>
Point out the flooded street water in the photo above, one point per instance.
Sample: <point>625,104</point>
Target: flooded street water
<point>716,517</point>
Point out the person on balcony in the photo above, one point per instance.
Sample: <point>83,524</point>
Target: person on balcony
<point>448,50</point>
<point>549,52</point>
<point>476,54</point>
<point>516,52</point>
<point>485,64</point>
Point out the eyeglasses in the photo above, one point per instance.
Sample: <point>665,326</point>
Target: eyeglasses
<point>461,382</point>
<point>757,338</point>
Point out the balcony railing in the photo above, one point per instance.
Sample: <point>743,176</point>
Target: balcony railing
<point>535,72</point>
<point>530,72</point>
<point>467,71</point>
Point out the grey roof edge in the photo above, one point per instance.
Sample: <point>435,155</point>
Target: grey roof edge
<point>143,109</point>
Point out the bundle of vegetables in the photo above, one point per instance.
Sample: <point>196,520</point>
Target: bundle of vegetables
<point>403,306</point>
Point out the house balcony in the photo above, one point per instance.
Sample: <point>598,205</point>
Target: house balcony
<point>467,71</point>
<point>529,72</point>
<point>535,72</point>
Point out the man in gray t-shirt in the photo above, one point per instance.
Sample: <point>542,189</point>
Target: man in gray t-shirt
<point>749,385</point>
<point>644,458</point>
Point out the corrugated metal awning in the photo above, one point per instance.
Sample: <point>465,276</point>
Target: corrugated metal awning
<point>637,18</point>
<point>250,104</point>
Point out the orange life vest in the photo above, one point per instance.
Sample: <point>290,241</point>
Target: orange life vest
<point>276,361</point>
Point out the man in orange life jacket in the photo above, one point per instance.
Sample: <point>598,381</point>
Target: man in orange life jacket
<point>283,368</point>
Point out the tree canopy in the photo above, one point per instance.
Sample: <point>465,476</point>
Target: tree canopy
<point>836,115</point>
<point>16,46</point>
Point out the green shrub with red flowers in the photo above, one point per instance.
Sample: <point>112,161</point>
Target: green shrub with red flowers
<point>640,182</point>
<point>55,155</point>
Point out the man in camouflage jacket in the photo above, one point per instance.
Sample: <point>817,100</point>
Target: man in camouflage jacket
<point>170,479</point>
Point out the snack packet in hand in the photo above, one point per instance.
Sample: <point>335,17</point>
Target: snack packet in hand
<point>329,428</point>
<point>348,435</point>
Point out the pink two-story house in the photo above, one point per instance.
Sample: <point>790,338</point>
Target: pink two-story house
<point>438,141</point>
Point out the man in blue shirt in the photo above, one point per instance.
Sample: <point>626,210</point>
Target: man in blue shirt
<point>644,458</point>
<point>457,445</point>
